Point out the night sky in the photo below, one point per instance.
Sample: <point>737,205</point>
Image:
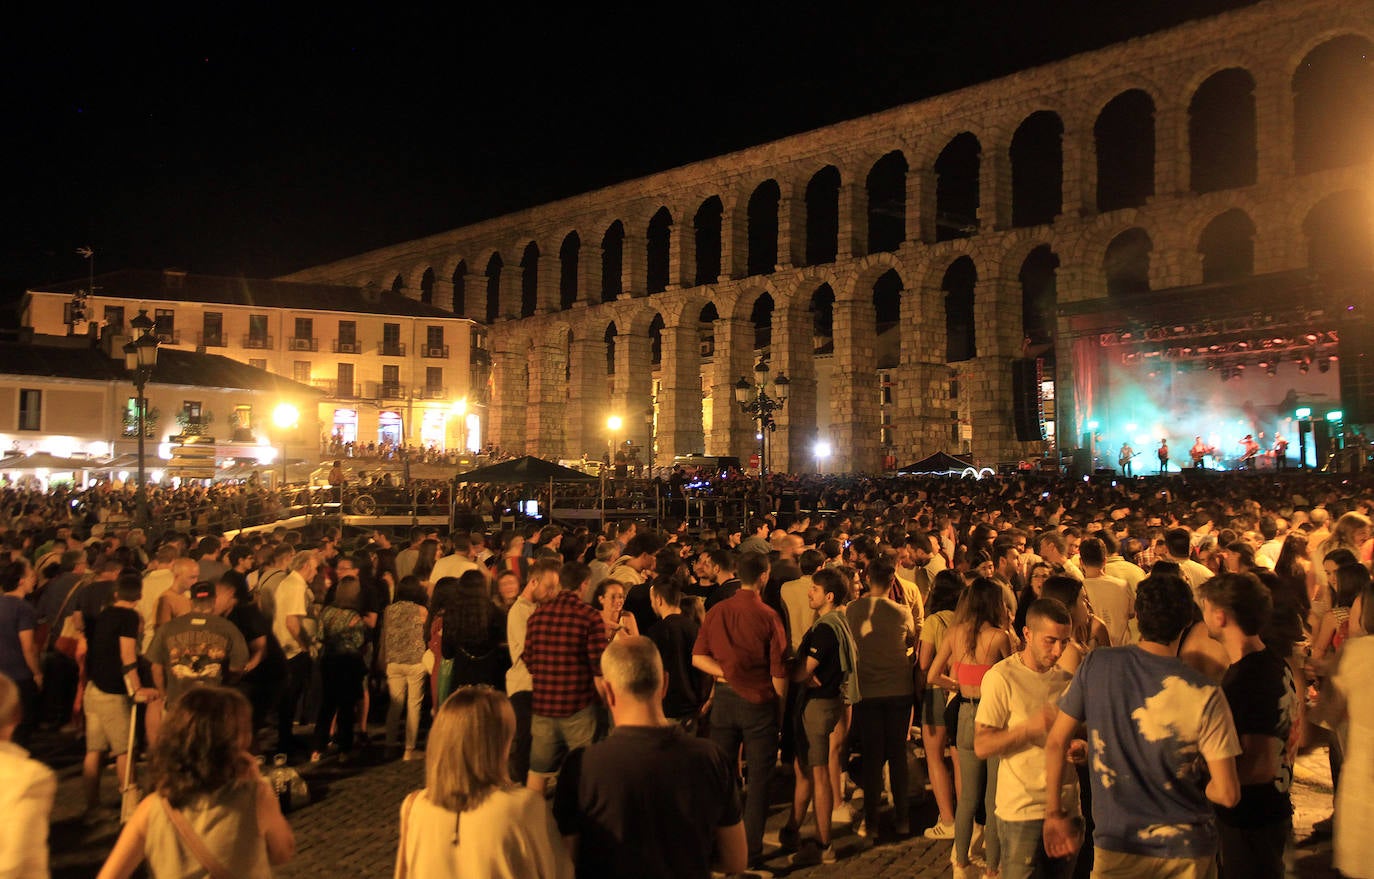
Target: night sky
<point>258,144</point>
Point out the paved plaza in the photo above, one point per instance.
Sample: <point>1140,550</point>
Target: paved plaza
<point>350,829</point>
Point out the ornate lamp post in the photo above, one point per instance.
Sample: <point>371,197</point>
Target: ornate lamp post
<point>285,417</point>
<point>649,434</point>
<point>140,356</point>
<point>754,400</point>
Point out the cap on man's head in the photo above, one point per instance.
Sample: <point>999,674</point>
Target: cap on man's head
<point>202,590</point>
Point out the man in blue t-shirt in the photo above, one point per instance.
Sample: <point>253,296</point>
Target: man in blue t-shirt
<point>1161,749</point>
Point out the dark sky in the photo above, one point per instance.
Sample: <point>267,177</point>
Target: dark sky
<point>258,144</point>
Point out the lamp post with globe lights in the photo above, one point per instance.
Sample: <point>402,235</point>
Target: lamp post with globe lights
<point>140,357</point>
<point>755,401</point>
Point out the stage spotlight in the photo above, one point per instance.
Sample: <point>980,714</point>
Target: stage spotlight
<point>1311,337</point>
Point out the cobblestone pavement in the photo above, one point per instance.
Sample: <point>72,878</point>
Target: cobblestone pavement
<point>350,830</point>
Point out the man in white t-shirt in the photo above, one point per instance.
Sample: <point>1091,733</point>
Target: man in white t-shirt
<point>291,612</point>
<point>459,562</point>
<point>1178,543</point>
<point>799,615</point>
<point>1112,599</point>
<point>156,581</point>
<point>1015,714</point>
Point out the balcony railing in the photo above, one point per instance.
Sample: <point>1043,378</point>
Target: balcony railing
<point>210,340</point>
<point>392,349</point>
<point>397,391</point>
<point>347,346</point>
<point>429,392</point>
<point>436,352</point>
<point>388,391</point>
<point>332,388</point>
<point>258,343</point>
<point>169,337</point>
<point>301,343</point>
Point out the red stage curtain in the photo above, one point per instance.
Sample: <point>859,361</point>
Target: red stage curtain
<point>1087,380</point>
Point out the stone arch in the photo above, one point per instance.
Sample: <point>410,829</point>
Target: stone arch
<point>569,255</point>
<point>886,189</point>
<point>761,317</point>
<point>1340,232</point>
<point>529,279</point>
<point>1333,103</point>
<point>398,284</point>
<point>495,267</point>
<point>1038,276</point>
<point>822,216</point>
<point>459,278</point>
<point>1124,137</point>
<point>1227,247</point>
<point>609,337</point>
<point>957,187</point>
<point>959,283</point>
<point>706,229</point>
<point>761,215</point>
<point>1223,148</point>
<point>427,286</point>
<point>1037,169</point>
<point>612,261</point>
<point>1126,262</point>
<point>857,284</point>
<point>656,327</point>
<point>658,251</point>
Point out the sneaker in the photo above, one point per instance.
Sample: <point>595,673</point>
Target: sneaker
<point>940,831</point>
<point>808,855</point>
<point>828,854</point>
<point>408,755</point>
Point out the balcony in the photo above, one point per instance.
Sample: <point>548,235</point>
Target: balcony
<point>480,357</point>
<point>431,393</point>
<point>388,390</point>
<point>167,337</point>
<point>439,352</point>
<point>392,349</point>
<point>301,343</point>
<point>210,340</point>
<point>333,389</point>
<point>347,346</point>
<point>258,343</point>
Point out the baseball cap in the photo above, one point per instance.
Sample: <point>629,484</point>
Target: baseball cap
<point>202,590</point>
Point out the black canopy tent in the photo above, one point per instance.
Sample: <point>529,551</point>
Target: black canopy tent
<point>529,470</point>
<point>938,464</point>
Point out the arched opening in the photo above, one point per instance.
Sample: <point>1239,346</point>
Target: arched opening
<point>887,301</point>
<point>761,316</point>
<point>612,261</point>
<point>1127,263</point>
<point>960,338</point>
<point>1221,132</point>
<point>763,229</point>
<point>823,216</point>
<point>1037,170</point>
<point>1124,135</point>
<point>1333,105</point>
<point>956,188</point>
<point>611,333</point>
<point>460,290</point>
<point>1039,296</point>
<point>886,187</point>
<point>1338,233</point>
<point>656,341</point>
<point>493,273</point>
<point>706,233</point>
<point>529,280</point>
<point>822,310</point>
<point>1227,246</point>
<point>427,287</point>
<point>706,329</point>
<point>658,241</point>
<point>568,254</point>
<point>398,285</point>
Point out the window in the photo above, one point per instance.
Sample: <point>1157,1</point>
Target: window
<point>391,340</point>
<point>434,381</point>
<point>434,342</point>
<point>114,318</point>
<point>30,409</point>
<point>345,376</point>
<point>257,331</point>
<point>191,413</point>
<point>348,337</point>
<point>258,363</point>
<point>300,371</point>
<point>242,423</point>
<point>212,334</point>
<point>164,324</point>
<point>391,380</point>
<point>305,328</point>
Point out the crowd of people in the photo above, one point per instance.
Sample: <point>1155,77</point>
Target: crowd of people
<point>1102,675</point>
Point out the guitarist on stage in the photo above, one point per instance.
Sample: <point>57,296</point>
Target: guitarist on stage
<point>1163,453</point>
<point>1124,459</point>
<point>1198,452</point>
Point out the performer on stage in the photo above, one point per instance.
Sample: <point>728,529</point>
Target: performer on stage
<point>1124,459</point>
<point>1280,452</point>
<point>1251,451</point>
<point>1198,452</point>
<point>1163,453</point>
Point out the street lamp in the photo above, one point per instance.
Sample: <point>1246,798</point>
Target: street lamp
<point>140,356</point>
<point>754,401</point>
<point>649,437</point>
<point>285,417</point>
<point>822,451</point>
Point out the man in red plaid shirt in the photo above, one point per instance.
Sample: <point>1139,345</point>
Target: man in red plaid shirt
<point>563,643</point>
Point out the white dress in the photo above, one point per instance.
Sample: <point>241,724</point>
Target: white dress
<point>512,835</point>
<point>1354,678</point>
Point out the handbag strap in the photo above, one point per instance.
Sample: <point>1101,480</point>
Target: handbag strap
<point>193,842</point>
<point>53,629</point>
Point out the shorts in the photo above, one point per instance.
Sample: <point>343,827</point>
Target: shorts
<point>553,737</point>
<point>107,720</point>
<point>933,707</point>
<point>819,717</point>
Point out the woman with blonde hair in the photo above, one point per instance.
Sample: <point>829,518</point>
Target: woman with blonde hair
<point>210,811</point>
<point>471,820</point>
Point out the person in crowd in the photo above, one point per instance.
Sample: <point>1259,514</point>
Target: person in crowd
<point>26,797</point>
<point>261,679</point>
<point>19,660</point>
<point>945,591</point>
<point>611,793</point>
<point>209,811</point>
<point>1088,630</point>
<point>471,821</point>
<point>293,625</point>
<point>1013,717</point>
<point>542,585</point>
<point>196,649</point>
<point>473,633</point>
<point>402,655</point>
<point>1353,683</point>
<point>456,563</point>
<point>1112,598</point>
<point>609,598</point>
<point>1154,724</point>
<point>342,670</point>
<point>742,646</point>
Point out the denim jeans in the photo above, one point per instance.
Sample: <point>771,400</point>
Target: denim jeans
<point>406,683</point>
<point>1023,853</point>
<point>735,721</point>
<point>978,781</point>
